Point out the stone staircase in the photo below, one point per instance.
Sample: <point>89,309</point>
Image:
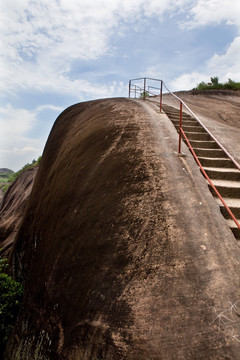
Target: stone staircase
<point>221,170</point>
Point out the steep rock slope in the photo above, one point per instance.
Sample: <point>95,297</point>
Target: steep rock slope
<point>12,208</point>
<point>122,248</point>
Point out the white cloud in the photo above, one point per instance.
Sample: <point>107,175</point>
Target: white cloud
<point>42,39</point>
<point>227,65</point>
<point>224,66</point>
<point>151,72</point>
<point>188,81</point>
<point>43,78</point>
<point>29,149</point>
<point>206,12</point>
<point>49,107</point>
<point>209,13</point>
<point>17,147</point>
<point>14,122</point>
<point>16,157</point>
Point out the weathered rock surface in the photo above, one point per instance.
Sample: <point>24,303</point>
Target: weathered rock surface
<point>122,249</point>
<point>12,208</point>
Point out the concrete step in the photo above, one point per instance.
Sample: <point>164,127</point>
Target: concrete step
<point>170,110</point>
<point>175,113</point>
<point>216,162</point>
<point>186,123</point>
<point>201,144</point>
<point>177,117</point>
<point>227,189</point>
<point>220,169</point>
<point>198,136</point>
<point>234,206</point>
<point>231,202</point>
<point>210,153</point>
<point>193,129</point>
<point>235,229</point>
<point>234,210</point>
<point>223,173</point>
<point>229,183</point>
<point>236,232</point>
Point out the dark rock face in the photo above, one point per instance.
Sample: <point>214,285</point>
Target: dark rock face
<point>12,208</point>
<point>111,265</point>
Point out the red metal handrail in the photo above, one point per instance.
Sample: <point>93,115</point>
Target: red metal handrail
<point>206,129</point>
<point>183,104</point>
<point>143,90</point>
<point>181,132</point>
<point>209,180</point>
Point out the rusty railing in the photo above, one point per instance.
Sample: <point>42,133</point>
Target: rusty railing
<point>144,92</point>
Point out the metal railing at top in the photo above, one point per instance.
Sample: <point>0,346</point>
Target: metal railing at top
<point>144,90</point>
<point>148,91</point>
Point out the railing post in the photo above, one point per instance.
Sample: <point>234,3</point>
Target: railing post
<point>180,129</point>
<point>129,94</point>
<point>144,90</point>
<point>161,98</point>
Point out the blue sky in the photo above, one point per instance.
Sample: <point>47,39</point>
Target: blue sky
<point>55,53</point>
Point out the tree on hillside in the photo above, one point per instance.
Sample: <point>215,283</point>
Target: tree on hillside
<point>214,80</point>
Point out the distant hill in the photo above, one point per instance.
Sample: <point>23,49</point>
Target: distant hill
<point>6,171</point>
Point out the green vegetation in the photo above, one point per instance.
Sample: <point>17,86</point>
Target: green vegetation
<point>11,293</point>
<point>25,167</point>
<point>144,94</point>
<point>4,178</point>
<point>9,177</point>
<point>5,175</point>
<point>230,85</point>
